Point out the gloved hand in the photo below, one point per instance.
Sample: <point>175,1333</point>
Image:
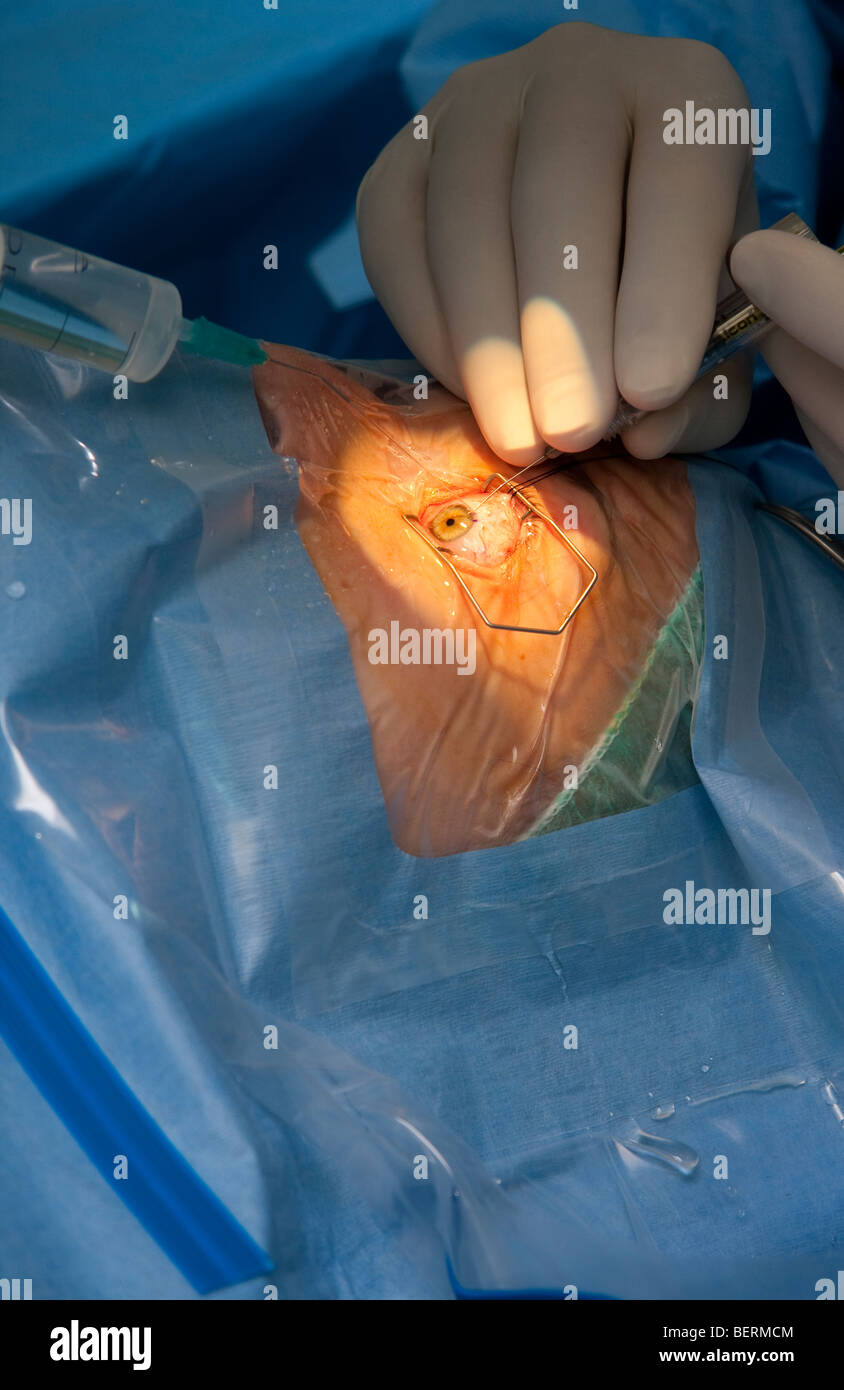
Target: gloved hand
<point>800,285</point>
<point>560,144</point>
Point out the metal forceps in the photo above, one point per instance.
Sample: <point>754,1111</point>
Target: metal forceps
<point>529,510</point>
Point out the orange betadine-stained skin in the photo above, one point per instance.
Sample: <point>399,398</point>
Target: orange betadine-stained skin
<point>470,761</point>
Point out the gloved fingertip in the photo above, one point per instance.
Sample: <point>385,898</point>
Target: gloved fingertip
<point>742,261</point>
<point>658,434</point>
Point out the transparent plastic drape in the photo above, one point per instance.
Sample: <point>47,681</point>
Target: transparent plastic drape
<point>198,846</point>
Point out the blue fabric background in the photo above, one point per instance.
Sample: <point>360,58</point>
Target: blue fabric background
<point>396,1037</point>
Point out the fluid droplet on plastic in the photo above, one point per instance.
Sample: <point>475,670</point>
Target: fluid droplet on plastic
<point>16,589</point>
<point>667,1151</point>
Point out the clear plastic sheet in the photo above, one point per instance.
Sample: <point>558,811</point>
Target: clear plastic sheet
<point>524,653</point>
<point>223,778</point>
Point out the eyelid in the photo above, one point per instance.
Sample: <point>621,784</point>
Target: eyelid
<point>441,496</point>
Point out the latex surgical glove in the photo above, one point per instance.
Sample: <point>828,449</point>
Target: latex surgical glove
<point>559,144</point>
<point>800,285</point>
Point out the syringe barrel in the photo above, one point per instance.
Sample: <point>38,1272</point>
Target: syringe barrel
<point>65,302</point>
<point>738,324</point>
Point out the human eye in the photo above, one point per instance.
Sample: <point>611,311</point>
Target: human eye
<point>451,521</point>
<point>476,526</point>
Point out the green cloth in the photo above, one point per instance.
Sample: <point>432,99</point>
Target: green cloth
<point>646,752</point>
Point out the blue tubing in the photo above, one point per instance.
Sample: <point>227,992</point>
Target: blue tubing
<point>190,1224</point>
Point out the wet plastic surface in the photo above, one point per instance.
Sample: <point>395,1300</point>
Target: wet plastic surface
<point>400,1037</point>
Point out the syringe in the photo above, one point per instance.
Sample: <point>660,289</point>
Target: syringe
<point>118,320</point>
<point>738,324</point>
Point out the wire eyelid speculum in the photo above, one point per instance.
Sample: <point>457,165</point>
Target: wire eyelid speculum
<point>530,510</point>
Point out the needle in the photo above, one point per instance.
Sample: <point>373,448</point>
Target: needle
<point>549,454</point>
